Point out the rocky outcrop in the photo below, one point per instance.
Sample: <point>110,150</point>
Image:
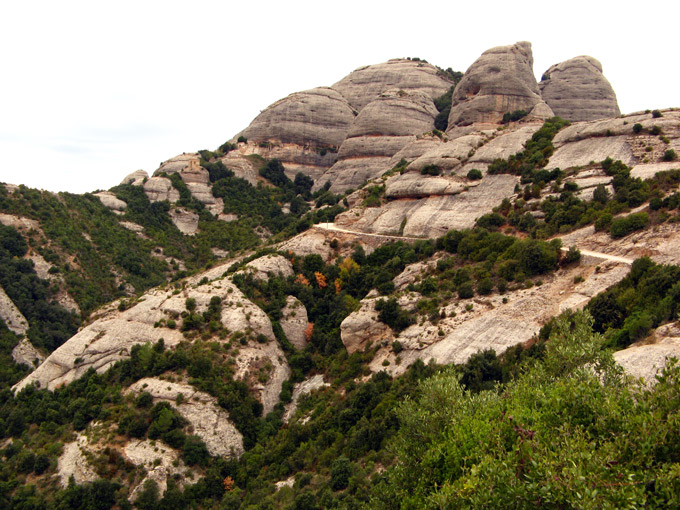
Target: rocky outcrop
<point>73,463</point>
<point>577,90</point>
<point>136,178</point>
<point>25,354</point>
<point>185,220</point>
<point>159,189</point>
<point>276,265</point>
<point>500,81</point>
<point>303,388</point>
<point>434,215</point>
<point>208,420</point>
<point>319,117</point>
<point>243,167</point>
<point>10,314</point>
<point>187,165</point>
<point>160,461</point>
<point>109,200</point>
<point>294,322</point>
<point>449,155</point>
<point>362,326</point>
<point>645,360</point>
<point>415,185</point>
<point>363,85</point>
<point>381,130</point>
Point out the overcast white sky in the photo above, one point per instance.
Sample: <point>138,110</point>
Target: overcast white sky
<point>91,91</point>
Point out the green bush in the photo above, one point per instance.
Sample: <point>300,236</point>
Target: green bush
<point>637,128</point>
<point>621,227</point>
<point>656,114</point>
<point>670,155</point>
<point>431,170</point>
<point>474,174</point>
<point>514,116</point>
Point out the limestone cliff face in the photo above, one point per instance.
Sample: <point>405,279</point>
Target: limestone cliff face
<point>500,81</point>
<point>365,84</point>
<point>577,90</point>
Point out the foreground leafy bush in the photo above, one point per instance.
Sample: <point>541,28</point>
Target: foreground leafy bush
<point>571,432</point>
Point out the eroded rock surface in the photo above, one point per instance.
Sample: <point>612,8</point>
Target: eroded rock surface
<point>159,189</point>
<point>73,463</point>
<point>185,220</point>
<point>294,322</point>
<point>320,117</point>
<point>161,462</point>
<point>303,388</point>
<point>500,81</point>
<point>109,200</point>
<point>383,128</point>
<point>10,314</point>
<point>270,264</point>
<point>209,421</point>
<point>577,90</point>
<point>366,83</point>
<point>646,360</point>
<point>136,178</point>
<point>25,354</point>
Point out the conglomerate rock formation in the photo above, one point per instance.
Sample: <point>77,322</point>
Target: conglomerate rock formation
<point>577,90</point>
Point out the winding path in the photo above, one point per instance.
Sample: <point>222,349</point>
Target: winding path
<point>588,253</point>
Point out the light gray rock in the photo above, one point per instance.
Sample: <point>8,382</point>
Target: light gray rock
<point>185,220</point>
<point>109,200</point>
<point>159,189</point>
<point>294,322</point>
<point>318,117</point>
<point>646,360</point>
<point>584,151</point>
<point>19,222</point>
<point>136,178</point>
<point>366,83</point>
<point>415,185</point>
<point>449,155</point>
<point>503,145</point>
<point>25,354</point>
<point>382,129</point>
<point>73,463</point>
<point>362,326</point>
<point>500,81</point>
<point>160,461</point>
<point>208,420</point>
<point>10,314</point>
<point>242,166</point>
<point>274,264</point>
<point>303,388</point>
<point>308,242</point>
<point>577,90</point>
<point>415,149</point>
<point>187,165</point>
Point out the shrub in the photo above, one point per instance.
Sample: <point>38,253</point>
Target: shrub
<point>465,290</point>
<point>637,128</point>
<point>431,170</point>
<point>485,286</point>
<point>656,130</point>
<point>514,116</point>
<point>621,227</point>
<point>474,174</point>
<point>670,155</point>
<point>656,114</point>
<point>242,139</point>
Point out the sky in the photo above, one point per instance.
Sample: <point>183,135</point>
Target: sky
<point>92,91</point>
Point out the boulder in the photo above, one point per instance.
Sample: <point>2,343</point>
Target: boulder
<point>363,327</point>
<point>136,178</point>
<point>160,189</point>
<point>363,85</point>
<point>294,322</point>
<point>577,90</point>
<point>500,81</point>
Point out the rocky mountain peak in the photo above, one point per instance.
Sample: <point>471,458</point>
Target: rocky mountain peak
<point>501,80</point>
<point>577,90</point>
